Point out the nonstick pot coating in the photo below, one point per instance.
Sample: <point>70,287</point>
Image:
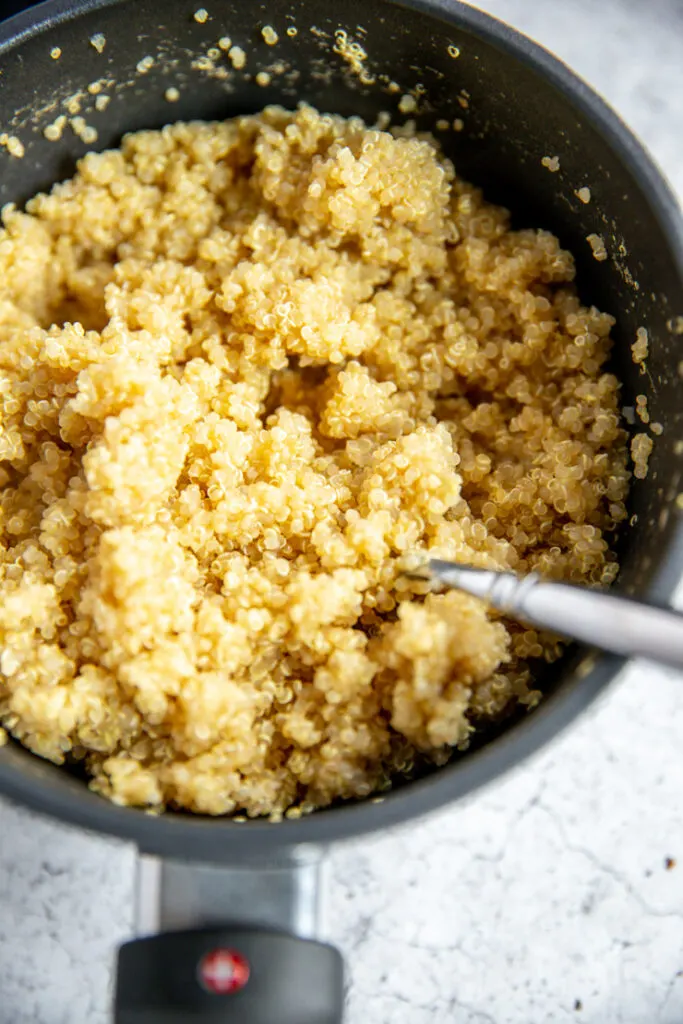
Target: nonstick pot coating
<point>518,105</point>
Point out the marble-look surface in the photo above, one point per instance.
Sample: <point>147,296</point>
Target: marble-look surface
<point>548,897</point>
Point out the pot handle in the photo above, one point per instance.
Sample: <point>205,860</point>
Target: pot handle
<point>228,975</point>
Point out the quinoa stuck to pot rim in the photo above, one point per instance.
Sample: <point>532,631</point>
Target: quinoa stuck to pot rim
<point>249,371</point>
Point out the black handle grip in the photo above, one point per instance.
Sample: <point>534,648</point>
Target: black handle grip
<point>228,975</point>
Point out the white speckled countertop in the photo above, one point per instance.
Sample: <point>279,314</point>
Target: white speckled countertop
<point>545,899</point>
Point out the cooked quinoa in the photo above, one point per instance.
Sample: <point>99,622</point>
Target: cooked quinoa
<point>640,349</point>
<point>247,370</point>
<point>641,449</point>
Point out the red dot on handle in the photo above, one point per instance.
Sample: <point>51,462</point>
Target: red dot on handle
<point>223,971</point>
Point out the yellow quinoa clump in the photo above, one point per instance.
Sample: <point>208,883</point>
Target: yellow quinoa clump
<point>641,449</point>
<point>237,57</point>
<point>407,104</point>
<point>354,54</point>
<point>641,408</point>
<point>53,132</point>
<point>269,34</point>
<point>597,244</point>
<point>247,369</point>
<point>144,65</point>
<point>15,147</point>
<point>640,348</point>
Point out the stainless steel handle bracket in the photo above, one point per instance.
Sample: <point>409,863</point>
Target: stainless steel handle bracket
<point>284,894</point>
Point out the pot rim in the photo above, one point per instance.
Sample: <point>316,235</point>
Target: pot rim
<point>195,837</point>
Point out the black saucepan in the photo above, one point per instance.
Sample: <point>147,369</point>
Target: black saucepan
<point>518,105</point>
